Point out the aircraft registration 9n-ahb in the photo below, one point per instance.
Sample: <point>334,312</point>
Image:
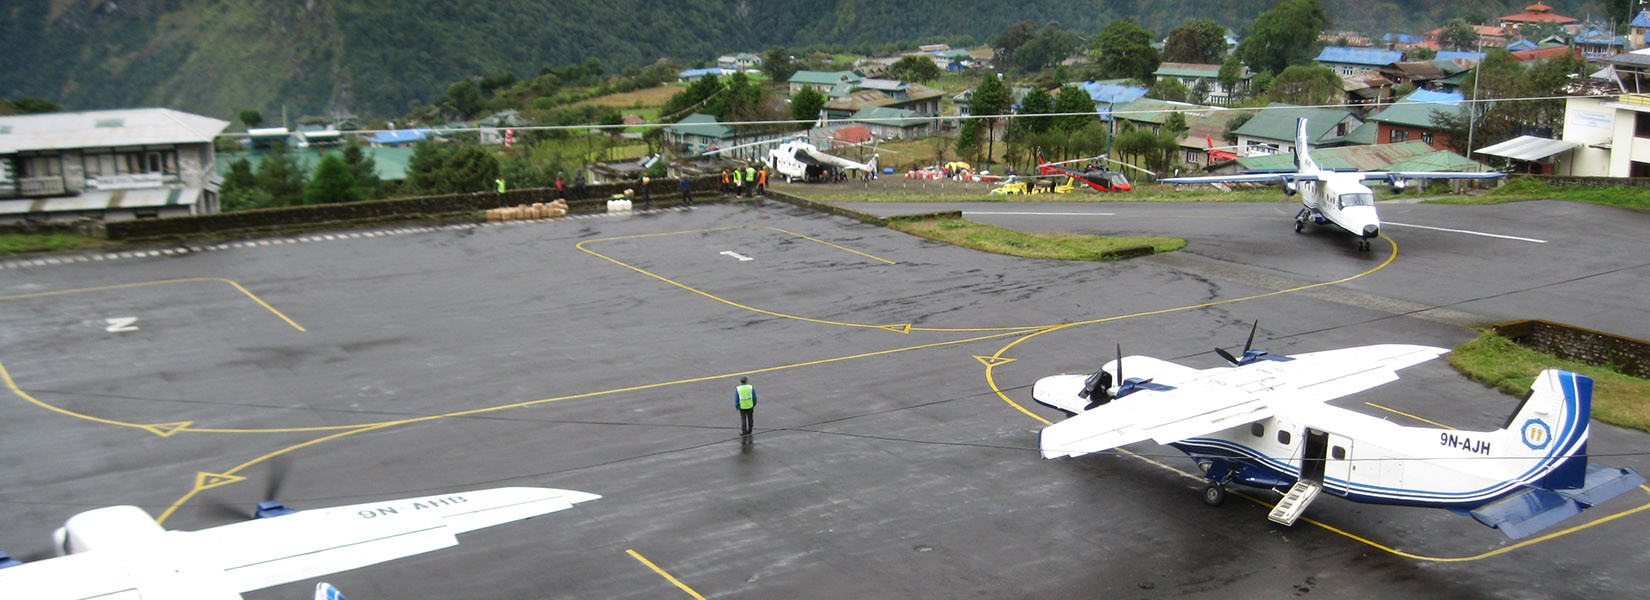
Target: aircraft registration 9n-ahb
<point>120,553</point>
<point>1332,197</point>
<point>1265,422</point>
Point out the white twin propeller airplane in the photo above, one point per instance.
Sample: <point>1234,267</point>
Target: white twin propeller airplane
<point>120,553</point>
<point>1332,197</point>
<point>1265,422</point>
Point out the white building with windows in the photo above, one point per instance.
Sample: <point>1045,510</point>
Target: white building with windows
<point>1606,136</point>
<point>109,164</point>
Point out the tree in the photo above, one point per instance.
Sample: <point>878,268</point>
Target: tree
<point>1037,102</point>
<point>1076,110</point>
<point>1124,49</point>
<point>1457,34</point>
<point>778,65</point>
<point>1502,77</point>
<point>1048,47</point>
<point>470,169</point>
<point>281,175</point>
<point>806,104</point>
<point>251,118</point>
<point>1168,88</point>
<point>1286,35</point>
<point>1421,53</point>
<point>28,106</point>
<point>240,188</point>
<point>1196,41</point>
<point>991,97</point>
<point>463,98</point>
<point>1009,40</point>
<point>968,140</point>
<point>1175,124</point>
<point>1233,124</point>
<point>363,169</point>
<point>333,182</point>
<point>1307,86</point>
<point>1231,73</point>
<point>915,67</point>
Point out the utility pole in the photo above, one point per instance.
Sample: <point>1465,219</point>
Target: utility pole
<point>1472,107</point>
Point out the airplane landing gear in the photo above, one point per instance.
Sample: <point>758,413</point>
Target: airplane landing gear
<point>1300,220</point>
<point>1214,494</point>
<point>1363,245</point>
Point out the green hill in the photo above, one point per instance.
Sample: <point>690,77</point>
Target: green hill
<point>377,57</point>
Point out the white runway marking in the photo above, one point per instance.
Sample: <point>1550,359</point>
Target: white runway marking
<point>1493,235</point>
<point>1039,214</point>
<point>741,257</point>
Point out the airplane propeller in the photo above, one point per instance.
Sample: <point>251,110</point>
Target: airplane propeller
<point>268,506</point>
<point>1248,355</point>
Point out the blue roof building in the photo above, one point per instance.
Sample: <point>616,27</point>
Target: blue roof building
<point>1352,61</point>
<point>695,74</point>
<point>397,137</point>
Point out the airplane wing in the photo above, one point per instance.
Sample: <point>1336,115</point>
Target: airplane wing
<point>1217,399</point>
<point>1242,178</point>
<point>1390,175</point>
<point>222,562</point>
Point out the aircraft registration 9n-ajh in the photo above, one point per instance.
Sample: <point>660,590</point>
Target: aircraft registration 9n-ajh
<point>1265,422</point>
<point>1332,197</point>
<point>120,553</point>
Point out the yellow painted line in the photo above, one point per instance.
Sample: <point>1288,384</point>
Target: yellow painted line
<point>139,284</point>
<point>638,556</point>
<point>160,429</point>
<point>1399,412</point>
<point>896,327</point>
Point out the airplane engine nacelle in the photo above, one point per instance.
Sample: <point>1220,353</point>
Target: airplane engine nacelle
<point>1399,184</point>
<point>1289,188</point>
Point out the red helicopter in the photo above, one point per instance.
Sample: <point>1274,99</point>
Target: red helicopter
<point>1097,177</point>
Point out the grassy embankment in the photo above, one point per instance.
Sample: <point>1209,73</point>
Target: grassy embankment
<point>1060,246</point>
<point>1499,363</point>
<point>17,243</point>
<point>1528,188</point>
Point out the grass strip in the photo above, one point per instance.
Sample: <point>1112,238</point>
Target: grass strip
<point>20,243</point>
<point>1519,189</point>
<point>1059,246</point>
<point>1504,365</point>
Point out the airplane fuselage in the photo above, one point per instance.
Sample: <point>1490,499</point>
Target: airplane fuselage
<point>1343,200</point>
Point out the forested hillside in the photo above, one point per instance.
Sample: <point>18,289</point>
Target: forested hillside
<point>376,57</point>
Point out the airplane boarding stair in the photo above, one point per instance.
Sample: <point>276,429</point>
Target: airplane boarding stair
<point>1294,503</point>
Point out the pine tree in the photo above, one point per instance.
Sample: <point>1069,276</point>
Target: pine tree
<point>333,182</point>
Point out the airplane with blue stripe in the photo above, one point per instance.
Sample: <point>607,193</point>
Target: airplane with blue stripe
<point>1265,422</point>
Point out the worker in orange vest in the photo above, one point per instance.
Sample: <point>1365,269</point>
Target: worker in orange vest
<point>726,180</point>
<point>762,181</point>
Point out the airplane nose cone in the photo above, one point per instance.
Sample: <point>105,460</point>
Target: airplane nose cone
<point>1372,231</point>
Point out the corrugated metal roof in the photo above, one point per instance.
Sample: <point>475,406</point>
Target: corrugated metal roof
<point>1642,19</point>
<point>1278,122</point>
<point>105,128</point>
<point>702,125</point>
<point>822,77</point>
<point>891,117</point>
<point>1374,57</point>
<point>1416,109</point>
<point>1363,158</point>
<point>1527,147</point>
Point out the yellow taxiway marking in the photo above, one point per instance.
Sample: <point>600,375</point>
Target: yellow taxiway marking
<point>895,327</point>
<point>160,429</point>
<point>992,361</point>
<point>638,556</point>
<point>124,286</point>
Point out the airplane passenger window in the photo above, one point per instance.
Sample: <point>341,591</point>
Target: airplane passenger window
<point>1257,430</point>
<point>1337,453</point>
<point>1283,437</point>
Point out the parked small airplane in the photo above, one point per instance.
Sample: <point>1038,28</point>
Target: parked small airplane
<point>120,552</point>
<point>1328,196</point>
<point>1265,422</point>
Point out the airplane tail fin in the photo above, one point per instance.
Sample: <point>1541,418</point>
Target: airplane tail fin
<point>1551,427</point>
<point>1303,157</point>
<point>325,591</point>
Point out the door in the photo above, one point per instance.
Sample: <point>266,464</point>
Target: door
<point>1339,466</point>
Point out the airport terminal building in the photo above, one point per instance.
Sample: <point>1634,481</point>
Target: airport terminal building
<point>110,165</point>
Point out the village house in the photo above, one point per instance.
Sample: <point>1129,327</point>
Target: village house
<point>742,61</point>
<point>1192,74</point>
<point>1411,118</point>
<point>1272,131</point>
<point>821,81</point>
<point>1352,61</point>
<point>109,165</point>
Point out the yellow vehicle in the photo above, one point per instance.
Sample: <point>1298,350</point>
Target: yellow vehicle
<point>1038,186</point>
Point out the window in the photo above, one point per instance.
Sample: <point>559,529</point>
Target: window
<point>1426,136</point>
<point>1283,437</point>
<point>1398,136</point>
<point>1641,125</point>
<point>1257,430</point>
<point>1337,453</point>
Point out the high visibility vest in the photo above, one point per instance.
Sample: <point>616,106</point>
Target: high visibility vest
<point>746,395</point>
<point>738,176</point>
<point>724,176</point>
<point>750,174</point>
<point>762,177</point>
<point>500,183</point>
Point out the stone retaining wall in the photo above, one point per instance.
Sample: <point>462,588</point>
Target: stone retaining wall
<point>1626,355</point>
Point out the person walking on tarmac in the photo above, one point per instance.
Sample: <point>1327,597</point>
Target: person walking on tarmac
<point>725,182</point>
<point>744,397</point>
<point>762,180</point>
<point>686,185</point>
<point>738,182</point>
<point>647,196</point>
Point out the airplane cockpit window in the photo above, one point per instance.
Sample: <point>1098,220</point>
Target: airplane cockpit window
<point>1357,200</point>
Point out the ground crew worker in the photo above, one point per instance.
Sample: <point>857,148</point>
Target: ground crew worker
<point>744,397</point>
<point>687,187</point>
<point>762,180</point>
<point>750,178</point>
<point>500,183</point>
<point>738,183</point>
<point>725,181</point>
<point>647,197</point>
